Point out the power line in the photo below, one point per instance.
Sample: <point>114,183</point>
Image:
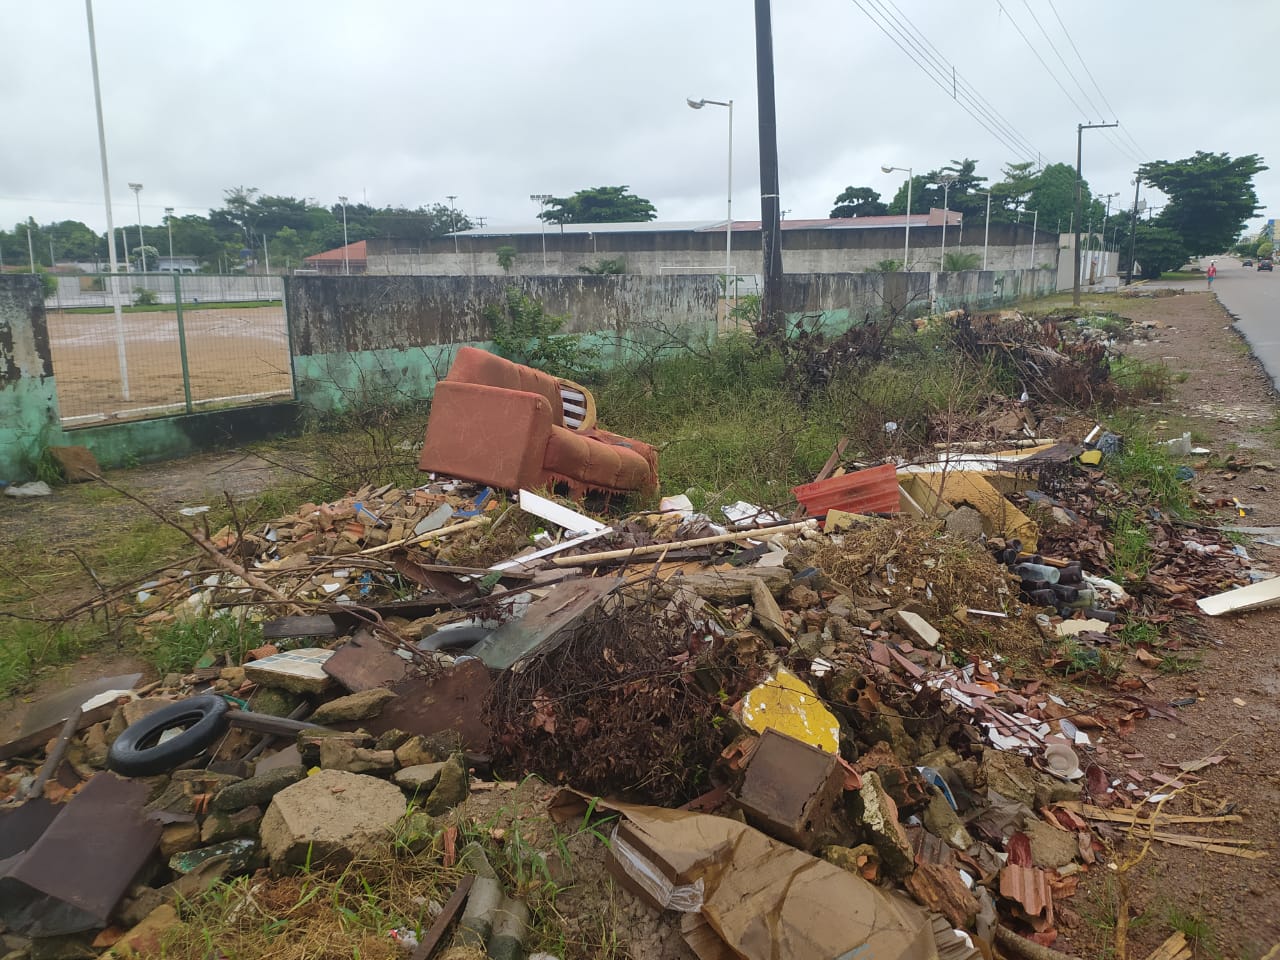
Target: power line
<point>939,77</point>
<point>1092,78</point>
<point>960,85</point>
<point>1030,46</point>
<point>1061,60</point>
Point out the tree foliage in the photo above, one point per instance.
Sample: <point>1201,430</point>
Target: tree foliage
<point>599,205</point>
<point>1211,197</point>
<point>859,202</point>
<point>1158,248</point>
<point>523,331</point>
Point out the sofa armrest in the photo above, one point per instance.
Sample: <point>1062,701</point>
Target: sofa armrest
<point>488,435</point>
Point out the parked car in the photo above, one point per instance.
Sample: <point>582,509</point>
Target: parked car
<point>1264,264</point>
<point>1246,262</point>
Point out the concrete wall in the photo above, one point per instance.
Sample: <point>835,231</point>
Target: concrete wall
<point>684,251</point>
<point>357,337</point>
<point>30,419</point>
<point>205,288</point>
<point>28,401</point>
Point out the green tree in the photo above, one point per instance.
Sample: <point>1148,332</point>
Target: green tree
<point>599,205</point>
<point>193,236</point>
<point>956,260</point>
<point>1211,197</point>
<point>506,255</point>
<point>859,202</point>
<point>287,247</point>
<point>1159,248</point>
<point>606,267</point>
<point>1265,249</point>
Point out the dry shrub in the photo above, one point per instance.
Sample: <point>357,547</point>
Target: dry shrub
<point>885,558</point>
<point>631,703</point>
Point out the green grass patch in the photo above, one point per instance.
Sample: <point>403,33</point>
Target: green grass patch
<point>1182,275</point>
<point>1131,547</point>
<point>170,308</point>
<point>1137,632</point>
<point>1196,929</point>
<point>178,646</point>
<point>1175,664</point>
<point>1149,474</point>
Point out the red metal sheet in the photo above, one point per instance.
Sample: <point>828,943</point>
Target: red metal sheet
<point>874,490</point>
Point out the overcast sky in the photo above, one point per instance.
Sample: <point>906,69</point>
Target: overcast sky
<point>405,103</point>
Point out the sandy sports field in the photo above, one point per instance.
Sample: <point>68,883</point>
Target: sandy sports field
<point>233,354</point>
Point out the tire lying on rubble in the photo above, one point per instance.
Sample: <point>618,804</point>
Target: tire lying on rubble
<point>138,751</point>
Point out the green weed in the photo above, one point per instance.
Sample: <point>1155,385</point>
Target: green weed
<point>177,646</point>
<point>1130,546</point>
<point>1149,475</point>
<point>1177,665</point>
<point>1196,929</point>
<point>1138,632</point>
<point>1142,379</point>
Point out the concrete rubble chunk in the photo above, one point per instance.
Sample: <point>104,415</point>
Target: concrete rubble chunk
<point>1007,774</point>
<point>256,791</point>
<point>218,827</point>
<point>451,789</point>
<point>918,629</point>
<point>299,671</point>
<point>879,820</point>
<point>356,706</point>
<point>418,750</point>
<point>420,779</point>
<point>309,742</point>
<point>342,755</point>
<point>177,838</point>
<point>138,904</point>
<point>862,860</point>
<point>144,939</point>
<point>1050,847</point>
<point>332,817</point>
<point>943,823</point>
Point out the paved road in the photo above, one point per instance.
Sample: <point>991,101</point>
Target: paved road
<point>1254,299</point>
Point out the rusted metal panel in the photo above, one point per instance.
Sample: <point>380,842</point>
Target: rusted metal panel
<point>452,701</point>
<point>72,877</point>
<point>364,663</point>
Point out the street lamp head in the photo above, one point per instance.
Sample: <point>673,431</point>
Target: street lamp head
<point>695,104</point>
<point>135,187</point>
<point>343,201</point>
<point>168,211</point>
<point>886,168</point>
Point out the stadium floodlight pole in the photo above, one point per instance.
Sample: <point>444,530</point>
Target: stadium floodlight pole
<point>142,249</point>
<point>906,240</point>
<point>728,217</point>
<point>542,199</point>
<point>346,264</point>
<point>168,222</point>
<point>121,359</point>
<point>1080,129</point>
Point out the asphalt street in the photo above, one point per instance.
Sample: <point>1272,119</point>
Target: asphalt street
<point>1254,299</point>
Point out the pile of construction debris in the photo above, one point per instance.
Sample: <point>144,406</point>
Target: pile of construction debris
<point>848,700</point>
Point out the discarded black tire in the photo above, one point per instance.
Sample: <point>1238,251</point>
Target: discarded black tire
<point>137,752</point>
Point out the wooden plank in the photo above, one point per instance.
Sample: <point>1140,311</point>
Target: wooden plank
<point>288,628</point>
<point>1201,843</point>
<point>1175,948</point>
<point>1134,816</point>
<point>431,939</point>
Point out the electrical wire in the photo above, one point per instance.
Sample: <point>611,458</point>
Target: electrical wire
<point>960,86</point>
<point>933,74</point>
<point>1092,79</point>
<point>1030,46</point>
<point>1070,73</point>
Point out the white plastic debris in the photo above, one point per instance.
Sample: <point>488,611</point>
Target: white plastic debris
<point>193,511</point>
<point>36,488</point>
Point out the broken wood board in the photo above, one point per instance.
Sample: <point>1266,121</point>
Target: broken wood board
<point>289,628</point>
<point>939,494</point>
<point>1230,848</point>
<point>768,613</point>
<point>1261,594</point>
<point>733,584</point>
<point>1175,948</point>
<point>1135,817</point>
<point>544,624</point>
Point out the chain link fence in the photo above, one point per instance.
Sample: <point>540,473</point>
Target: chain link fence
<point>182,343</point>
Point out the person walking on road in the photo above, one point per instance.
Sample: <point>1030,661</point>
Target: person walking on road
<point>1212,272</point>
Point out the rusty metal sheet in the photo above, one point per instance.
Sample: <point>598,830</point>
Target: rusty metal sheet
<point>71,878</point>
<point>544,623</point>
<point>452,701</point>
<point>22,826</point>
<point>364,663</point>
<point>791,790</point>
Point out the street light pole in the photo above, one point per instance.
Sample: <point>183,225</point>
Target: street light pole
<point>1133,229</point>
<point>346,262</point>
<point>142,249</point>
<point>168,222</point>
<point>1104,232</point>
<point>986,232</point>
<point>1035,222</point>
<point>906,237</point>
<point>541,200</point>
<point>453,219</point>
<point>729,272</point>
<point>945,180</point>
<point>1080,129</point>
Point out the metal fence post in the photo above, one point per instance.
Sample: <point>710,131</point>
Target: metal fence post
<point>182,341</point>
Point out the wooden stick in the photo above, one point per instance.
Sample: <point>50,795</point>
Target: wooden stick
<point>429,535</point>
<point>652,548</point>
<point>431,939</point>
<point>1175,948</point>
<point>1135,817</point>
<point>55,755</point>
<point>1208,845</point>
<point>1022,947</point>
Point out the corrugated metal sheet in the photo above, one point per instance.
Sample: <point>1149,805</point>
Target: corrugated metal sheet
<point>874,490</point>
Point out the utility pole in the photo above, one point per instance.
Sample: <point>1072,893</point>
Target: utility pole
<point>31,252</point>
<point>453,219</point>
<point>1080,129</point>
<point>771,314</point>
<point>1133,228</point>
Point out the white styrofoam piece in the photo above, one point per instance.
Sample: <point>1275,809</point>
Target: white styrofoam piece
<point>553,512</point>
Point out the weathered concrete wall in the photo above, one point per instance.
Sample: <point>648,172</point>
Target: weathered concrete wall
<point>30,418</point>
<point>659,253</point>
<point>28,400</point>
<point>355,337</point>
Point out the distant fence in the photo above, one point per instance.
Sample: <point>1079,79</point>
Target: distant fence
<point>90,290</point>
<point>168,354</point>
